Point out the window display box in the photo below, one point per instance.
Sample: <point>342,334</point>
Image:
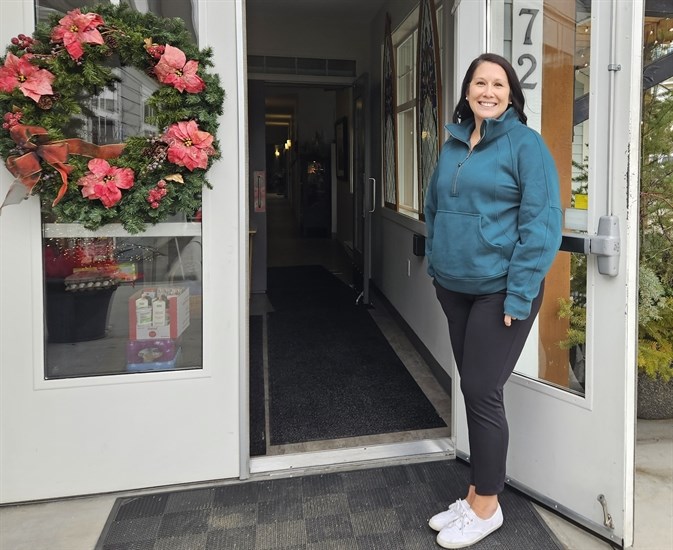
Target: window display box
<point>145,323</point>
<point>147,351</point>
<point>166,362</point>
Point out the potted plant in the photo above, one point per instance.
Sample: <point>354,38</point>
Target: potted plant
<point>655,348</point>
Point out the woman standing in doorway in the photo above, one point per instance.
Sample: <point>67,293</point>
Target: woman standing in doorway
<point>493,222</point>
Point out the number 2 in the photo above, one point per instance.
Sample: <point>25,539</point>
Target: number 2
<point>533,66</point>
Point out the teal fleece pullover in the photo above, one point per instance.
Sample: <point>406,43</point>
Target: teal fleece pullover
<point>493,214</point>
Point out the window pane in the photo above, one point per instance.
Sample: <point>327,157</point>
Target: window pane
<point>116,303</point>
<point>121,304</point>
<point>406,155</point>
<point>548,42</point>
<point>440,35</point>
<point>389,126</point>
<point>406,74</point>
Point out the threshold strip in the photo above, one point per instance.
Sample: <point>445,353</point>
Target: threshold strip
<point>390,452</point>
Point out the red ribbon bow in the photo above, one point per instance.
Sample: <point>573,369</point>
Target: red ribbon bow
<point>27,168</point>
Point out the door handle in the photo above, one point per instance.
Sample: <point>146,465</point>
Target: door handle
<point>259,192</point>
<point>605,244</point>
<point>373,181</point>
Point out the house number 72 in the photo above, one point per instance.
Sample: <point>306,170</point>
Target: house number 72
<point>527,41</point>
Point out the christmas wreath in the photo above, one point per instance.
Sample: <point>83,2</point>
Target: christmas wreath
<point>47,82</point>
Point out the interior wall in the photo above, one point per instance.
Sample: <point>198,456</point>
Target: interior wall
<point>316,112</point>
<point>294,36</point>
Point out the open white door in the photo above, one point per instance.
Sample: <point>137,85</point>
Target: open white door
<point>80,410</point>
<point>571,411</point>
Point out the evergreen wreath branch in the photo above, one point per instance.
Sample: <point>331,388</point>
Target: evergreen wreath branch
<point>45,88</point>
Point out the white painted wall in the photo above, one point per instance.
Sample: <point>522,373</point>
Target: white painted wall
<point>404,280</point>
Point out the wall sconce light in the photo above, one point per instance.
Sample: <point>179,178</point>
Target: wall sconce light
<point>288,144</point>
<point>276,152</point>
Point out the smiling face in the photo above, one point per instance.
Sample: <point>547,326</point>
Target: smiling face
<point>488,92</point>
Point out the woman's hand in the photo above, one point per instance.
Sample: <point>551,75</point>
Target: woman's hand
<point>509,319</point>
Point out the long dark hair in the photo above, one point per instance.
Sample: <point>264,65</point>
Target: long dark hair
<point>463,111</point>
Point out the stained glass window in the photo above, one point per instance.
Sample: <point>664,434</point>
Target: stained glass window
<point>429,96</point>
<point>389,149</point>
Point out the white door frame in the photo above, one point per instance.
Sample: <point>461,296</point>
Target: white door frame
<point>569,467</point>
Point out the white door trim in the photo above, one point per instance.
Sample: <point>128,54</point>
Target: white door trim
<point>244,245</point>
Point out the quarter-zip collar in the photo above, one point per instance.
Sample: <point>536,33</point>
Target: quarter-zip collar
<point>491,128</point>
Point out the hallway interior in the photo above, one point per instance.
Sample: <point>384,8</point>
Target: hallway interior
<point>287,247</point>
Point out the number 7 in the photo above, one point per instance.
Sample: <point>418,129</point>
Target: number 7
<point>533,13</point>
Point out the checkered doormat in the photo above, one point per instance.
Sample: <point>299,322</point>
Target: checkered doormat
<point>383,508</point>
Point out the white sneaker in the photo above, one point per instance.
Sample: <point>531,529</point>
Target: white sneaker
<point>468,529</point>
<point>441,520</point>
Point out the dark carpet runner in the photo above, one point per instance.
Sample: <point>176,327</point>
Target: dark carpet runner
<point>332,373</point>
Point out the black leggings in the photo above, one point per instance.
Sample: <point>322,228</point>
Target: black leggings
<point>486,352</point>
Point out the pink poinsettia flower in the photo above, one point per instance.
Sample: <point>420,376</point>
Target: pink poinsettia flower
<point>104,182</point>
<point>19,72</point>
<point>78,28</point>
<point>187,145</point>
<point>174,69</point>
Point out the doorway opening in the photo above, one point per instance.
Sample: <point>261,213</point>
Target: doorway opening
<point>326,371</point>
<point>329,370</point>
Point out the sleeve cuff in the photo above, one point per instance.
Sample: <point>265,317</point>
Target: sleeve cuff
<point>517,307</point>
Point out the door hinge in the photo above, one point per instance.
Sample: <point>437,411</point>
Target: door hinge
<point>607,518</point>
<point>614,67</point>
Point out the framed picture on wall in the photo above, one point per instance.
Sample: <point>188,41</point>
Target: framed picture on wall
<point>341,134</point>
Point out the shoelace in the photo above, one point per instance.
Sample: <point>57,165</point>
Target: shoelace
<point>458,504</point>
<point>464,519</point>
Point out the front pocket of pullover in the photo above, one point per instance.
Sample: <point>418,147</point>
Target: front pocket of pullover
<point>460,250</point>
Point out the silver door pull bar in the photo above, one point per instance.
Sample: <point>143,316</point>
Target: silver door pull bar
<point>605,244</point>
<point>373,181</point>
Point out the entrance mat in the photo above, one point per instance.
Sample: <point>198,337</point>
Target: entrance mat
<point>332,373</point>
<point>383,508</point>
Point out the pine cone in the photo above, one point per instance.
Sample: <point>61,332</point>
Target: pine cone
<point>111,42</point>
<point>46,102</point>
<point>158,151</point>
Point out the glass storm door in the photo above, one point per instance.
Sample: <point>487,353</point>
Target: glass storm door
<point>570,402</point>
